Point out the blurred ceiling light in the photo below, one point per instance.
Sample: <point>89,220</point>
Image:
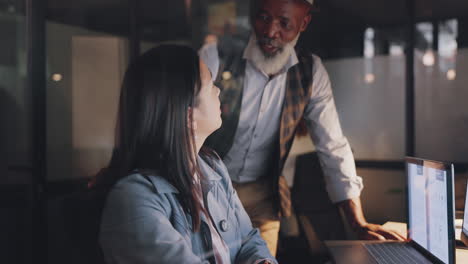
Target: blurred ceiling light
<point>428,59</point>
<point>451,74</point>
<point>369,78</point>
<point>227,75</point>
<point>396,49</point>
<point>57,77</point>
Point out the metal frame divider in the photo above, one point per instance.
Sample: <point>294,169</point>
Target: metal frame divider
<point>36,85</point>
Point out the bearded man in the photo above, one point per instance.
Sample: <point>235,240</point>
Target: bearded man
<point>267,89</point>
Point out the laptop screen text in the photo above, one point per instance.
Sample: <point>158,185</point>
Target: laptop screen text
<point>428,219</point>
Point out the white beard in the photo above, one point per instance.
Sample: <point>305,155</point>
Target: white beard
<point>269,65</point>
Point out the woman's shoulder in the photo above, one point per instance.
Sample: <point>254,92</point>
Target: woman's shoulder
<point>140,190</point>
<point>144,182</point>
<point>131,203</point>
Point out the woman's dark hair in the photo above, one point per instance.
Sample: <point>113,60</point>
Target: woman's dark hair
<point>152,132</point>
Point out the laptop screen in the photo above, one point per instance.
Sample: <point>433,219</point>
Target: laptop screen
<point>430,197</point>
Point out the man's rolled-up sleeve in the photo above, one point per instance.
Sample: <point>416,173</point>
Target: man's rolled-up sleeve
<point>332,147</point>
<point>209,55</point>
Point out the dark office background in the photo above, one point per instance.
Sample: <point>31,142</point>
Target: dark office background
<point>398,70</point>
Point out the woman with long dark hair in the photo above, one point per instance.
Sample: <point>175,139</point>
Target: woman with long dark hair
<point>168,199</point>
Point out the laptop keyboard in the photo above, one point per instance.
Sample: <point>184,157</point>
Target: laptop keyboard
<point>394,253</point>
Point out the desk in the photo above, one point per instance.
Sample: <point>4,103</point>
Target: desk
<point>342,252</point>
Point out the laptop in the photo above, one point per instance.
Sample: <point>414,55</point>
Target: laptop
<point>431,230</point>
<point>464,232</point>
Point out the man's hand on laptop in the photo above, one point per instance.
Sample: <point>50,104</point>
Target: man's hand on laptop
<point>353,210</point>
<point>377,232</point>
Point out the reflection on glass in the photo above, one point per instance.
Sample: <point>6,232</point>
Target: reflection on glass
<point>370,90</point>
<point>15,107</point>
<point>369,52</point>
<point>57,77</point>
<point>369,49</point>
<point>441,119</point>
<point>375,98</point>
<point>15,137</point>
<point>426,43</point>
<point>396,49</point>
<point>85,69</point>
<point>451,74</point>
<point>428,59</point>
<point>448,32</point>
<point>369,78</point>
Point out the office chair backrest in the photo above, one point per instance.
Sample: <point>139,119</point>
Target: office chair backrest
<point>74,222</point>
<point>318,217</point>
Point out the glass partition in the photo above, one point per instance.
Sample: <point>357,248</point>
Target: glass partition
<point>15,106</point>
<point>441,89</point>
<point>15,136</point>
<point>86,60</point>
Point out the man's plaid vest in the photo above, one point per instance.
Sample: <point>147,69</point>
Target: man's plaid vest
<point>298,92</point>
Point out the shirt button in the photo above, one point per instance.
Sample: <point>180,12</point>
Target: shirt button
<point>224,225</point>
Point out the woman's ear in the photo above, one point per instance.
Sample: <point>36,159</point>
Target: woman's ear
<point>191,122</point>
<point>194,125</point>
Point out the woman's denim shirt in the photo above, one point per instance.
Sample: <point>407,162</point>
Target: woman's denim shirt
<point>143,222</point>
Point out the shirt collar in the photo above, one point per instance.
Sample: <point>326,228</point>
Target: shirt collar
<point>209,172</point>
